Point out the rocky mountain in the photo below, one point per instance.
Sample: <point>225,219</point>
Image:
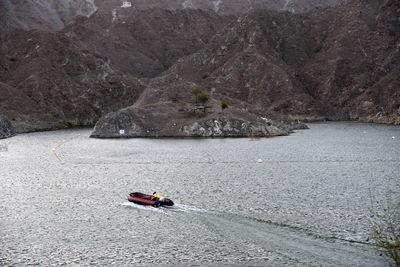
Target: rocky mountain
<point>257,73</point>
<point>301,6</point>
<point>58,79</point>
<point>146,42</point>
<point>222,6</point>
<point>356,74</point>
<point>338,63</point>
<point>47,81</point>
<point>42,14</point>
<point>56,14</point>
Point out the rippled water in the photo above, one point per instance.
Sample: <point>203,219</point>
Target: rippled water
<point>301,200</point>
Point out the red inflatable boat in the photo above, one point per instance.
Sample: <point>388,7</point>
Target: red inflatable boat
<point>149,200</point>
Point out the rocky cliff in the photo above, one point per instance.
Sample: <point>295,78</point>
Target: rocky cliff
<point>166,121</point>
<point>49,81</point>
<point>146,42</point>
<point>223,6</point>
<point>42,14</point>
<point>56,14</point>
<point>338,63</point>
<point>265,66</point>
<point>355,74</point>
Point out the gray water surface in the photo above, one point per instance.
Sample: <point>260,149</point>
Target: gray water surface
<point>301,200</point>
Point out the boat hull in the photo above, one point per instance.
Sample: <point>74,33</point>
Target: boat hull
<point>148,200</point>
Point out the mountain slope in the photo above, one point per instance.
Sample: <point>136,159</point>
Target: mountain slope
<point>42,14</point>
<point>355,72</point>
<point>223,6</point>
<point>325,62</point>
<point>56,14</point>
<point>49,81</point>
<point>338,63</point>
<point>146,42</point>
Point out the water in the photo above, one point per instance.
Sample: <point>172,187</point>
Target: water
<point>306,203</point>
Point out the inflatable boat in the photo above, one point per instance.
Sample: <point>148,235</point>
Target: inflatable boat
<point>149,200</point>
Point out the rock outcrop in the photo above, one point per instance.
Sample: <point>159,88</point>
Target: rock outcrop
<point>56,14</point>
<point>338,63</point>
<point>47,81</point>
<point>176,113</point>
<point>355,73</point>
<point>121,124</point>
<point>223,6</point>
<point>42,14</point>
<point>136,123</point>
<point>144,43</point>
<point>225,127</point>
<point>6,128</point>
<point>140,66</point>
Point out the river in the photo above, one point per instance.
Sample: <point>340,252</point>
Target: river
<point>299,200</point>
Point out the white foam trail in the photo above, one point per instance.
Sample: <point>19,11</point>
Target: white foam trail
<point>141,207</point>
<point>187,208</point>
<point>176,207</point>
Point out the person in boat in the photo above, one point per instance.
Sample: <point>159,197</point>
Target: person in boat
<point>156,195</point>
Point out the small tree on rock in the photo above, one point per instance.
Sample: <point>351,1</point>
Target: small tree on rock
<point>223,103</point>
<point>200,94</point>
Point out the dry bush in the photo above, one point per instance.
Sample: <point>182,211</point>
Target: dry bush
<point>385,228</point>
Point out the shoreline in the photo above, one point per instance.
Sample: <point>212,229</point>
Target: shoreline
<point>197,137</point>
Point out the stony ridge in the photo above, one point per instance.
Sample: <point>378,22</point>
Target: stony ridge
<point>52,82</point>
<point>269,66</point>
<point>42,14</point>
<point>338,63</point>
<point>147,42</point>
<point>58,79</point>
<point>223,6</point>
<point>269,57</point>
<point>56,14</point>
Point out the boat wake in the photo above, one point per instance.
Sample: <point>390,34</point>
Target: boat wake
<point>285,245</point>
<point>187,208</point>
<point>164,209</point>
<point>141,207</point>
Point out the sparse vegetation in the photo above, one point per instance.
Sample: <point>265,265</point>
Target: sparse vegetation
<point>200,94</point>
<point>174,97</point>
<point>385,233</point>
<point>66,124</point>
<point>223,103</point>
<point>12,58</point>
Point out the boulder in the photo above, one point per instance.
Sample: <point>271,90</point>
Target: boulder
<point>121,124</point>
<point>6,128</point>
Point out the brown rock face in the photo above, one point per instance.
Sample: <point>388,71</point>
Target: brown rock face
<point>147,42</point>
<point>223,6</point>
<point>324,63</point>
<point>301,6</point>
<point>60,79</point>
<point>331,63</point>
<point>42,14</point>
<point>256,61</point>
<point>56,14</point>
<point>358,62</point>
<point>44,77</point>
<point>339,63</point>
